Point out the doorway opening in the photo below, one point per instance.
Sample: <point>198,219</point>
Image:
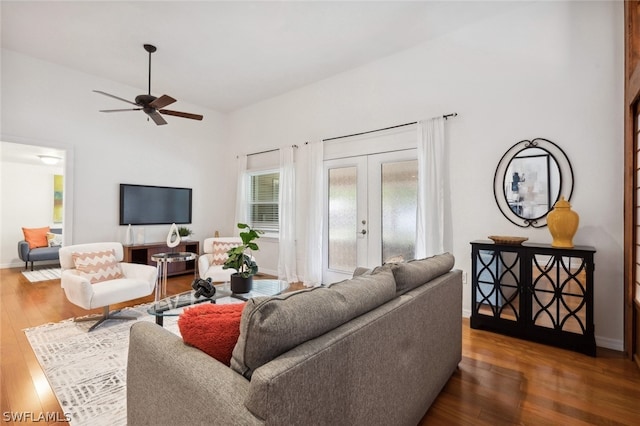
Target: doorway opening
<point>36,183</point>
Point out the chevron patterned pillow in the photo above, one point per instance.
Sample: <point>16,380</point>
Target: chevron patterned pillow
<point>220,250</point>
<point>98,266</point>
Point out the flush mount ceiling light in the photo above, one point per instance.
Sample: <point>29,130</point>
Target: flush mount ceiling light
<point>49,159</point>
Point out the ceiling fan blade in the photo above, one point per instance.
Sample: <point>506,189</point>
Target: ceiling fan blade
<point>162,102</point>
<point>181,114</point>
<point>118,110</point>
<point>115,97</point>
<point>157,118</point>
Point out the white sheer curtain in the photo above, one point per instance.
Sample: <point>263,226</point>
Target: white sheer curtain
<point>314,152</point>
<point>287,217</point>
<point>241,193</point>
<point>431,182</point>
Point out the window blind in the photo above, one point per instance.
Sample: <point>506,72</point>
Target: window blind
<point>263,201</point>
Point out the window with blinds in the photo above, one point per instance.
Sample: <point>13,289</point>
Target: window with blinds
<point>263,201</point>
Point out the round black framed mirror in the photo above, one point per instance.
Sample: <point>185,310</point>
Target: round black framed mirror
<point>530,177</point>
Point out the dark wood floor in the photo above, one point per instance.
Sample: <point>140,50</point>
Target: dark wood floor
<point>500,381</point>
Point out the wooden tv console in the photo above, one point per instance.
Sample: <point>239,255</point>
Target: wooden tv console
<point>141,253</point>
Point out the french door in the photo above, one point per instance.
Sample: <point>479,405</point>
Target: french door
<point>370,211</point>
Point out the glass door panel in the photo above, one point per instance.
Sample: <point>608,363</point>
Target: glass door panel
<point>399,205</point>
<point>345,209</point>
<point>343,218</point>
<point>371,204</point>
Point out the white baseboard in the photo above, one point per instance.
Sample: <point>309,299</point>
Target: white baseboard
<point>20,264</point>
<point>605,342</point>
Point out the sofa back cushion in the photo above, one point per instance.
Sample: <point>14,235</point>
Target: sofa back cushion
<point>409,275</point>
<point>270,326</point>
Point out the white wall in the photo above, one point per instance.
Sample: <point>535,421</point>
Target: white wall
<point>551,69</point>
<point>43,103</point>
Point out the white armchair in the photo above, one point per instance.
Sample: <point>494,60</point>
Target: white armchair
<point>214,255</point>
<point>135,280</point>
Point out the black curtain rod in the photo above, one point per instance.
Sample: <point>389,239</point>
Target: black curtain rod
<point>263,152</point>
<point>269,150</point>
<point>446,116</point>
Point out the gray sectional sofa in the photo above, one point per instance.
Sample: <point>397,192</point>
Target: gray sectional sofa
<point>373,350</point>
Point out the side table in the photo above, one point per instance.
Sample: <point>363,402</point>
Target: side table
<point>162,260</point>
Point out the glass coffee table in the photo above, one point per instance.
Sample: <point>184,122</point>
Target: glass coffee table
<point>259,288</point>
<point>170,306</point>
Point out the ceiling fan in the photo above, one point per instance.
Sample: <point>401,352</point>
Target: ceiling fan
<point>148,103</point>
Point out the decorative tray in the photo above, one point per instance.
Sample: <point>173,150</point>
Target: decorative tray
<point>514,241</point>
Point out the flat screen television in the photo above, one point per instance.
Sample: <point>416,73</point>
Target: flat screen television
<point>154,205</point>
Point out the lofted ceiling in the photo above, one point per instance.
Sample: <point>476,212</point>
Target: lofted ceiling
<point>226,55</point>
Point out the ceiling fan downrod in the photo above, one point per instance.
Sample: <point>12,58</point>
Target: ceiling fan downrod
<point>149,48</point>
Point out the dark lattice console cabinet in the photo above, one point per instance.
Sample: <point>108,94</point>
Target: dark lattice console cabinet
<point>535,292</point>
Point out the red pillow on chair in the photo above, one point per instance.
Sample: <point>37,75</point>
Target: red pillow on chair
<point>214,329</point>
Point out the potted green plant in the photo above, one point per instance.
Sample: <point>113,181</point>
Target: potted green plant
<point>243,262</point>
<point>184,232</point>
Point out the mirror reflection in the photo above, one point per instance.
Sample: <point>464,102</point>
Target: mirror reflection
<point>532,183</point>
<point>530,177</point>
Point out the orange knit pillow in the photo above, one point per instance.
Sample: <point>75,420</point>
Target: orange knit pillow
<point>36,237</point>
<point>214,329</point>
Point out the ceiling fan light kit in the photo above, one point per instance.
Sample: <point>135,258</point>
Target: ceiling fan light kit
<point>149,104</point>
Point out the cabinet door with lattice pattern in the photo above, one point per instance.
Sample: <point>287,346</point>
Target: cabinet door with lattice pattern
<point>559,293</point>
<point>497,293</point>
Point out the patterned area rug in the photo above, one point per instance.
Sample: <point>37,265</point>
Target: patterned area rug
<point>42,274</point>
<point>88,371</point>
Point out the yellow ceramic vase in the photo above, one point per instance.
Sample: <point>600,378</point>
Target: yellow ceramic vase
<point>563,224</point>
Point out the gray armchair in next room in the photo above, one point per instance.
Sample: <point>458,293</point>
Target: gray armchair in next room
<point>47,252</point>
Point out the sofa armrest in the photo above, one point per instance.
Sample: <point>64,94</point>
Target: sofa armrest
<point>169,382</point>
<point>23,250</point>
<point>146,273</point>
<point>204,262</point>
<point>77,288</point>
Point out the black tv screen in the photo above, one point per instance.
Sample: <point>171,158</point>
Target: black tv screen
<point>154,205</point>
